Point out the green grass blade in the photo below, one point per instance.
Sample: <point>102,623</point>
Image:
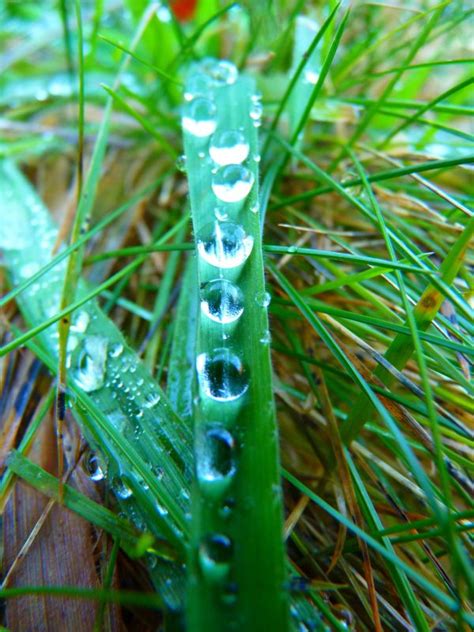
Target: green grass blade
<point>237,568</point>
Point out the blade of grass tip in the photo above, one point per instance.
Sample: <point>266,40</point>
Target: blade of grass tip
<point>295,79</point>
<point>326,66</point>
<point>369,114</point>
<point>236,556</point>
<point>63,9</point>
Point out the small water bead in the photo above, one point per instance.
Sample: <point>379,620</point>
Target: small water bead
<point>224,244</point>
<point>121,489</point>
<point>227,507</point>
<point>152,399</point>
<point>197,85</point>
<point>181,163</point>
<point>221,72</point>
<point>263,299</point>
<point>215,555</point>
<point>81,322</point>
<point>94,468</point>
<point>266,338</point>
<point>255,113</point>
<point>222,301</point>
<point>215,462</point>
<point>199,117</point>
<point>115,350</point>
<point>222,375</point>
<point>254,208</point>
<point>311,76</point>
<point>228,147</point>
<point>90,371</point>
<point>232,183</point>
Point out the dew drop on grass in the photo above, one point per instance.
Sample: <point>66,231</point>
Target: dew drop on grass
<point>222,375</point>
<point>222,301</point>
<point>255,112</point>
<point>311,76</point>
<point>90,368</point>
<point>228,147</point>
<point>215,555</point>
<point>222,73</point>
<point>221,214</point>
<point>199,117</point>
<point>121,489</point>
<point>152,399</point>
<point>181,163</point>
<point>224,244</point>
<point>232,183</point>
<point>263,299</point>
<point>94,468</point>
<point>115,350</point>
<point>80,322</point>
<point>215,460</point>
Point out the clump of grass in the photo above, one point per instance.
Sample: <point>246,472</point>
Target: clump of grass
<point>364,218</point>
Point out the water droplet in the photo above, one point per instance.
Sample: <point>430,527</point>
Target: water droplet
<point>222,72</point>
<point>199,117</point>
<point>222,375</point>
<point>121,489</point>
<point>263,299</point>
<point>215,460</point>
<point>115,350</point>
<point>227,508</point>
<point>90,372</point>
<point>224,244</point>
<point>266,338</point>
<point>94,468</point>
<point>232,183</point>
<point>215,554</point>
<point>152,399</point>
<point>222,301</point>
<point>81,322</point>
<point>229,594</point>
<point>311,76</point>
<point>255,112</point>
<point>163,13</point>
<point>228,147</point>
<point>197,85</point>
<point>254,208</point>
<point>181,163</point>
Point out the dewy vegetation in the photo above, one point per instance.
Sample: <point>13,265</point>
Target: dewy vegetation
<point>235,252</point>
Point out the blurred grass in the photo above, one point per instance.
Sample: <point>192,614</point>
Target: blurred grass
<point>366,215</point>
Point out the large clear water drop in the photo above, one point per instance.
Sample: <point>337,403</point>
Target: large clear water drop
<point>90,371</point>
<point>222,375</point>
<point>228,147</point>
<point>215,460</point>
<point>232,183</point>
<point>224,244</point>
<point>200,117</point>
<point>222,301</point>
<point>215,555</point>
<point>121,489</point>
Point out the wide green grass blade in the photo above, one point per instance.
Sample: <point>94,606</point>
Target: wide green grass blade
<point>236,562</point>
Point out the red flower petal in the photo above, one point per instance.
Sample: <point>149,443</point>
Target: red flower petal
<point>184,9</point>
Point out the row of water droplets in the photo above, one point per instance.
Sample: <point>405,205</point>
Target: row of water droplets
<point>96,363</point>
<point>223,246</point>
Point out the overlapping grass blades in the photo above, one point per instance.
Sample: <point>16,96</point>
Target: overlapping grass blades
<point>237,566</point>
<point>114,398</point>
